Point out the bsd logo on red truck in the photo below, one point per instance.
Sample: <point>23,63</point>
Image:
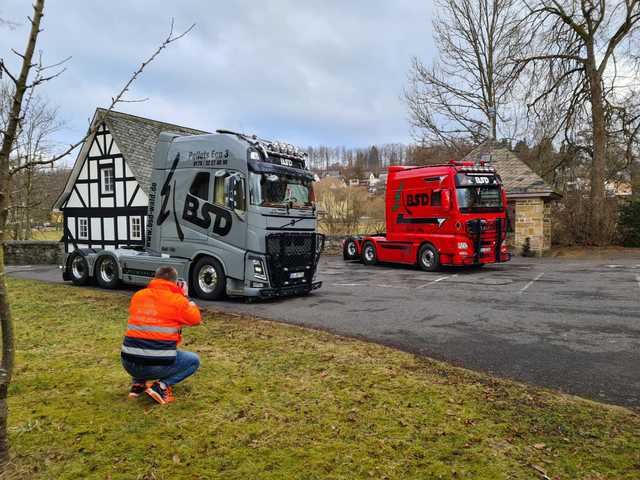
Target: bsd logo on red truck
<point>417,199</point>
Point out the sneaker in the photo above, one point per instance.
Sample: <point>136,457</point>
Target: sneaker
<point>159,394</point>
<point>137,389</point>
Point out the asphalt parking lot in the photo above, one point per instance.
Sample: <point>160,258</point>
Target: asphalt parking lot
<point>572,325</point>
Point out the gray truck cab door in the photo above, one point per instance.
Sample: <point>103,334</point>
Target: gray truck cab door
<point>214,217</point>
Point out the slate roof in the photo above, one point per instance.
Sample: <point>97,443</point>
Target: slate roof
<point>517,176</point>
<point>137,138</point>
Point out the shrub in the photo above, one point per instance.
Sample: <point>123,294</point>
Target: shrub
<point>571,220</point>
<point>526,248</point>
<point>629,224</point>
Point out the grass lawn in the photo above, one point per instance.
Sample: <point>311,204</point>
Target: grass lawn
<point>273,401</point>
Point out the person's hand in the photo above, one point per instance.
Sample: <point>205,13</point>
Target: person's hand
<point>184,286</point>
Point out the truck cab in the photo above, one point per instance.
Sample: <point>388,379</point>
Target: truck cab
<point>452,214</point>
<point>234,214</point>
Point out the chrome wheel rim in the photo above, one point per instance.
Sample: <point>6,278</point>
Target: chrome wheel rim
<point>369,253</point>
<point>108,270</point>
<point>427,258</point>
<point>207,279</point>
<point>351,249</point>
<point>78,267</point>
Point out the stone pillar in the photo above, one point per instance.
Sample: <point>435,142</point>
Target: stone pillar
<point>533,221</point>
<point>546,244</point>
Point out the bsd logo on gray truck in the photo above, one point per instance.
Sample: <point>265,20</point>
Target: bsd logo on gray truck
<point>222,223</point>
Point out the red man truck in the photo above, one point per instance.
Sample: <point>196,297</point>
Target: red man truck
<point>451,214</point>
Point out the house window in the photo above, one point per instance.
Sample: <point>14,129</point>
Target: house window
<point>83,228</point>
<point>136,228</point>
<point>107,179</point>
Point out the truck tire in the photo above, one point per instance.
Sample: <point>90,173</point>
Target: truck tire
<point>369,256</point>
<point>78,269</point>
<point>350,249</point>
<point>107,273</point>
<point>208,279</point>
<point>428,258</point>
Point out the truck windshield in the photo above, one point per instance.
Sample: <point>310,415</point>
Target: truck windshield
<point>271,190</point>
<point>479,199</point>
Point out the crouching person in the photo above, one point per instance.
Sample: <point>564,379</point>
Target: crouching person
<point>149,350</point>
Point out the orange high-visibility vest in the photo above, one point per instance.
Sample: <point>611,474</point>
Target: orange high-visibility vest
<point>156,316</point>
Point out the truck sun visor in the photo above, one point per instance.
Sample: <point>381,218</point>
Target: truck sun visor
<point>266,167</point>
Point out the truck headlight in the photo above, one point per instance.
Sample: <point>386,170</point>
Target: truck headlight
<point>258,269</point>
<point>462,245</point>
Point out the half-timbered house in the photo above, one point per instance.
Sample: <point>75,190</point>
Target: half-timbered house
<point>105,199</point>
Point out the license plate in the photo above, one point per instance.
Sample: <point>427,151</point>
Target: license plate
<point>485,249</point>
<point>296,275</point>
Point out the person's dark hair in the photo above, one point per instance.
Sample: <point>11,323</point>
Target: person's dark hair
<point>167,273</point>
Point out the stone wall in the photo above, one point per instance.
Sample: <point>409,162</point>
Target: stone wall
<point>533,221</point>
<point>33,252</point>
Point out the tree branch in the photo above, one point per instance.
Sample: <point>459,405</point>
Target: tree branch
<point>171,38</point>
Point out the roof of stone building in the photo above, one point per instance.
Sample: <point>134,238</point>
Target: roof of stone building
<point>517,177</point>
<point>136,137</point>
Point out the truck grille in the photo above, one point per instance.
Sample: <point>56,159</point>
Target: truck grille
<point>292,257</point>
<point>487,233</point>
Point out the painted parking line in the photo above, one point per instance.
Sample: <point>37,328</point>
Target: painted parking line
<point>347,284</point>
<point>523,289</point>
<point>440,279</point>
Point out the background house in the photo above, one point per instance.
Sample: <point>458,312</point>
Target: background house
<point>105,199</point>
<point>529,197</point>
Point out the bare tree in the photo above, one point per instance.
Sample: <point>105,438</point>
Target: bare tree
<point>467,93</point>
<point>626,135</point>
<point>22,84</point>
<point>575,50</point>
<point>33,142</point>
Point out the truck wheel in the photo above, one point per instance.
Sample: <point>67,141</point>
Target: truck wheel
<point>208,279</point>
<point>79,269</point>
<point>369,256</point>
<point>428,258</point>
<point>350,249</point>
<point>106,272</point>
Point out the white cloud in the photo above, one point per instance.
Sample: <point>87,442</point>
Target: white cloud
<point>327,72</point>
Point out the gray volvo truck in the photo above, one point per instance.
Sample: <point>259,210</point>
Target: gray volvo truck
<point>233,213</point>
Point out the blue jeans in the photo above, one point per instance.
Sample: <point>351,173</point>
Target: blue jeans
<point>185,365</point>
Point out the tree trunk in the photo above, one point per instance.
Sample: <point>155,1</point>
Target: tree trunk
<point>6,368</point>
<point>598,165</point>
<point>634,169</point>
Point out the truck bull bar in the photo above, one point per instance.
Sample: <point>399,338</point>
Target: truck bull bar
<point>292,260</point>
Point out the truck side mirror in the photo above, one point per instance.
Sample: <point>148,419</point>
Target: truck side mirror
<point>235,193</point>
<point>446,199</point>
<point>232,185</point>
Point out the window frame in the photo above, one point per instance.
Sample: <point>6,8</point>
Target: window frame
<point>80,221</point>
<point>104,177</point>
<point>132,228</point>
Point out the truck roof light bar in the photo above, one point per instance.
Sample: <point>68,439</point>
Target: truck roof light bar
<point>280,149</point>
<point>477,168</point>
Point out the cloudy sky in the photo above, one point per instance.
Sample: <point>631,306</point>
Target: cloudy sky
<point>329,72</point>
